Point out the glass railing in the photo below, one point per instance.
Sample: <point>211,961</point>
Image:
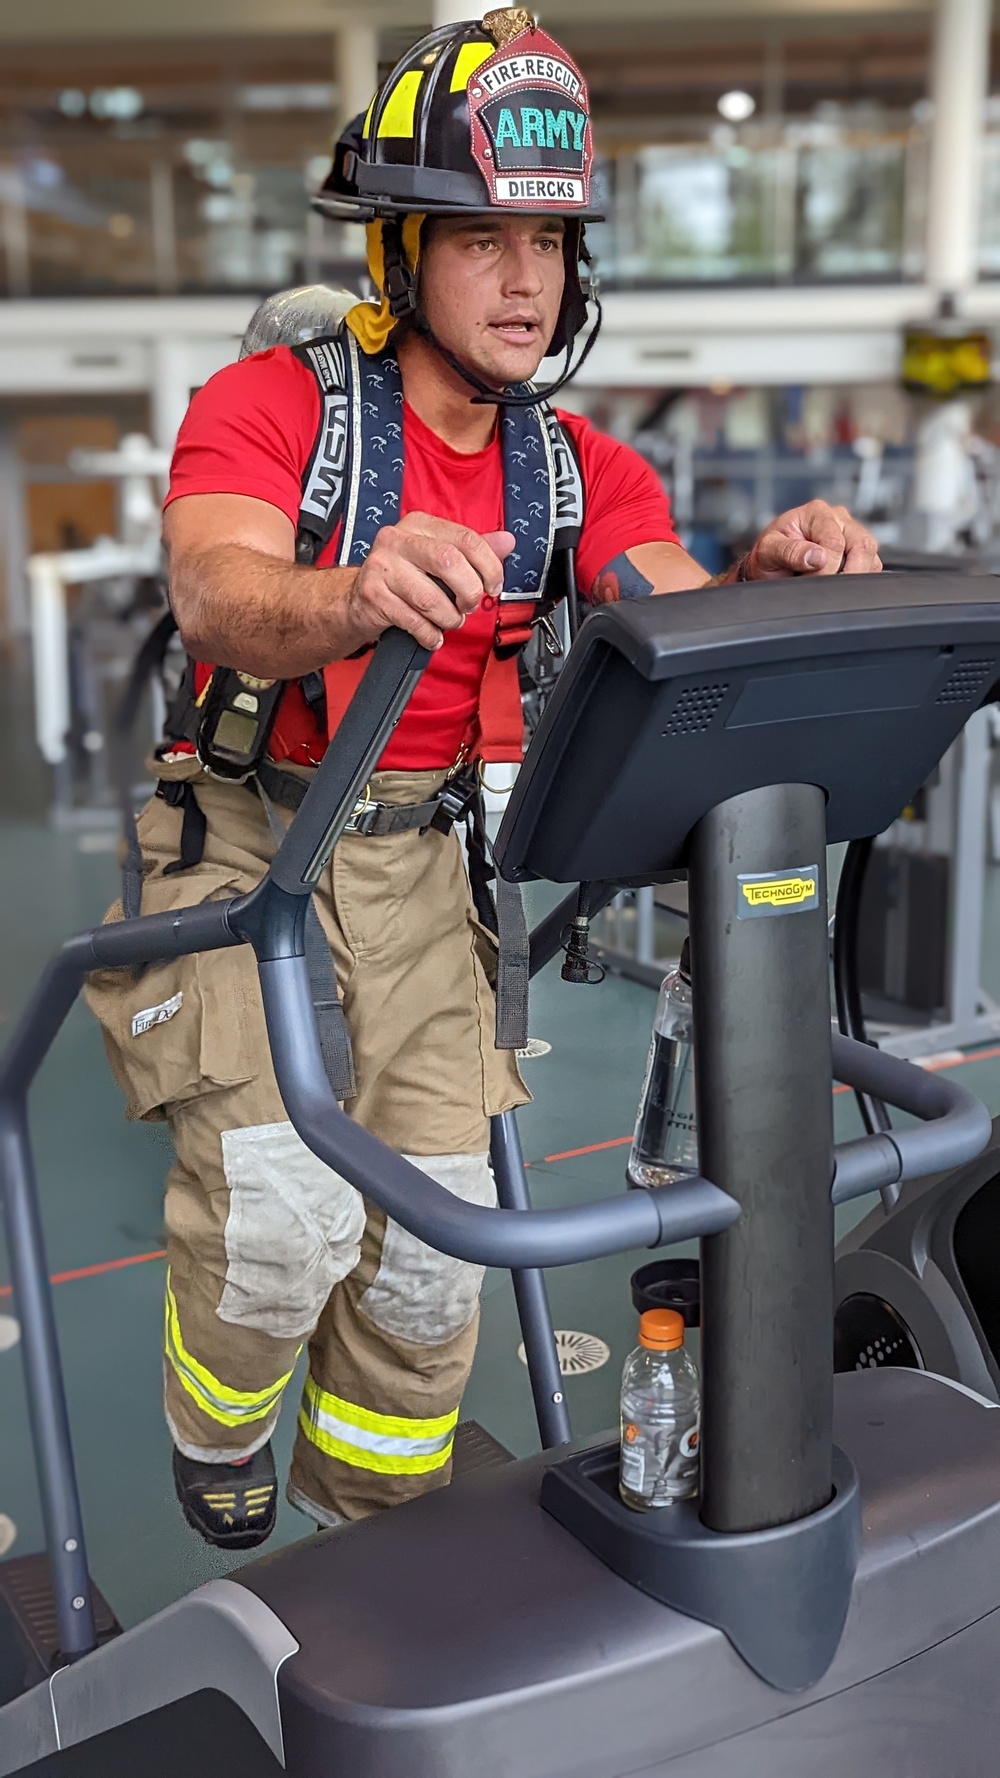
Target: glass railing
<point>794,202</point>
<point>837,197</point>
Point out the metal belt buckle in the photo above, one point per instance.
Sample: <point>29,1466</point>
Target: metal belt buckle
<point>453,800</point>
<point>364,814</point>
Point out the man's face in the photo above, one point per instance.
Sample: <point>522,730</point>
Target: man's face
<point>490,288</point>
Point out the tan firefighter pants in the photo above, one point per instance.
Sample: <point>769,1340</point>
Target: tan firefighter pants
<point>269,1249</point>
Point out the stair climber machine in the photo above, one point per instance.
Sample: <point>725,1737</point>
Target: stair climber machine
<point>831,1601</point>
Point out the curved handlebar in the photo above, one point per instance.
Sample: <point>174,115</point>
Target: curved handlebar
<point>508,1238</point>
<point>955,1126</point>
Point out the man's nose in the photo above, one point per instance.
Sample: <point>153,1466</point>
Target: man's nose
<point>522,272</point>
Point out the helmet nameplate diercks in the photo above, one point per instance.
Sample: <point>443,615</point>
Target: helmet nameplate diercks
<point>529,120</point>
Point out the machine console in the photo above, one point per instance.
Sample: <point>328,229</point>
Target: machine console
<point>670,706</point>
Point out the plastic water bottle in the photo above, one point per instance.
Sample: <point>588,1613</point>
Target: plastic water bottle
<point>665,1144</point>
<point>661,1416</point>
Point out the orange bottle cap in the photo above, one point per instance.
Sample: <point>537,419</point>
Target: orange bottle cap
<point>662,1330</point>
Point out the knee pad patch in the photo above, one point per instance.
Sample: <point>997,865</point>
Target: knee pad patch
<point>418,1294</point>
<point>293,1231</point>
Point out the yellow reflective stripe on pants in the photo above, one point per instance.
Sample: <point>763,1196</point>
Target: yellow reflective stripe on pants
<point>388,1444</point>
<point>231,1407</point>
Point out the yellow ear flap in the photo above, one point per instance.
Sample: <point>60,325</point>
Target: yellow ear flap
<point>370,323</point>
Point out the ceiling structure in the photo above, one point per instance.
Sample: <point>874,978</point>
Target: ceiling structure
<point>68,21</point>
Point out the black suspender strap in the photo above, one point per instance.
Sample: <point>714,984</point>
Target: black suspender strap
<point>334,1037</point>
<point>501,911</point>
<point>193,826</point>
<point>512,966</point>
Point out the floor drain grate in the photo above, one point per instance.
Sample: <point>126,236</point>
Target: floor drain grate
<point>578,1352</point>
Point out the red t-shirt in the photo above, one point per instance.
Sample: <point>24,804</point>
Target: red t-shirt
<point>251,429</point>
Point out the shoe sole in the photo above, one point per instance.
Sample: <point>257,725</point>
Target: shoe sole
<point>233,1540</point>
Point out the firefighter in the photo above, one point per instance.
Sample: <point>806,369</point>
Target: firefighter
<point>404,471</point>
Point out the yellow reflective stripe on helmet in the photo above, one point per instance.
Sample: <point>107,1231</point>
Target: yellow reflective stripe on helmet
<point>470,57</point>
<point>387,1444</point>
<point>368,117</point>
<point>397,118</point>
<point>231,1407</point>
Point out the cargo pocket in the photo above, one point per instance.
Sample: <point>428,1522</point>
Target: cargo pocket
<point>175,1028</point>
<point>293,1231</point>
<point>418,1294</point>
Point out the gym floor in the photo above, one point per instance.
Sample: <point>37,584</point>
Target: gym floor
<point>101,1182</point>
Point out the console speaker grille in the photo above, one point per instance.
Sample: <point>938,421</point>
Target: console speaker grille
<point>966,683</point>
<point>695,709</point>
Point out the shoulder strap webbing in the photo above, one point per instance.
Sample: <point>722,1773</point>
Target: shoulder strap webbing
<point>323,478</point>
<point>355,469</point>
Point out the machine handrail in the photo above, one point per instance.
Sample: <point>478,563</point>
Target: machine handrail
<point>955,1125</point>
<point>484,1236</point>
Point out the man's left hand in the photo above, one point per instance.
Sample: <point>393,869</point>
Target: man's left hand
<point>812,539</point>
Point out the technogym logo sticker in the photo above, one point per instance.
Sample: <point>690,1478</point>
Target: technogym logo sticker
<point>530,123</point>
<point>764,893</point>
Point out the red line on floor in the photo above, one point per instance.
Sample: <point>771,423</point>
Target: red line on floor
<point>989,1055</point>
<point>976,1056</point>
<point>108,1265</point>
<point>570,1154</point>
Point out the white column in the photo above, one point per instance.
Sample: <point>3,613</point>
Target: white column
<point>13,535</point>
<point>455,12</point>
<point>959,84</point>
<point>356,63</point>
<point>170,388</point>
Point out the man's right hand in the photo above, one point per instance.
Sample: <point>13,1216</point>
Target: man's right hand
<point>240,597</point>
<point>395,587</point>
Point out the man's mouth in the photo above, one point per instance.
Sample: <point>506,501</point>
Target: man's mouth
<point>519,329</point>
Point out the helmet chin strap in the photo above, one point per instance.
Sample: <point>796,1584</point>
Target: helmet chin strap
<point>401,293</point>
<point>518,394</point>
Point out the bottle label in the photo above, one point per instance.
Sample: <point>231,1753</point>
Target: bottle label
<point>659,1463</point>
<point>633,1468</point>
<point>666,1131</point>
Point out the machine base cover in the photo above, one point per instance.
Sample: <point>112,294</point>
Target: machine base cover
<point>780,1595</point>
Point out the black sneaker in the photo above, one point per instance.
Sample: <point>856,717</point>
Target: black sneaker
<point>233,1506</point>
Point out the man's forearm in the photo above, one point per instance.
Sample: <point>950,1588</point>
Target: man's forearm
<point>237,607</point>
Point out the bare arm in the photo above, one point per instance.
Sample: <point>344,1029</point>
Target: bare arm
<point>811,539</point>
<point>241,600</point>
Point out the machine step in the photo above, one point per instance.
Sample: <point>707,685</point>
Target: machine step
<point>30,1627</point>
<point>475,1448</point>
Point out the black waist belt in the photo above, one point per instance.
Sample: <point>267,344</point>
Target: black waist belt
<point>368,817</point>
<point>499,909</point>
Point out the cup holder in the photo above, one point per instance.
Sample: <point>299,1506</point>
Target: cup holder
<point>669,1284</point>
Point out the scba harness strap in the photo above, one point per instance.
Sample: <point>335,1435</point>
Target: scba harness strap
<point>354,478</point>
